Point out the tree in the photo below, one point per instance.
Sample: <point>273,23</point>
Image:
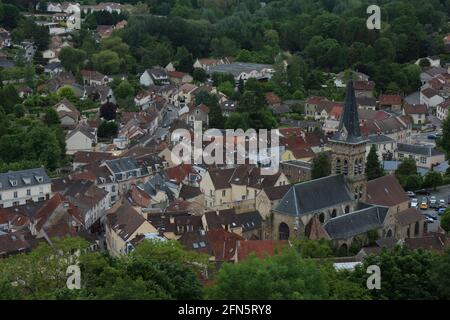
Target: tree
<point>405,274</point>
<point>413,182</point>
<point>106,61</point>
<point>107,129</point>
<point>432,179</point>
<point>444,141</point>
<point>283,276</point>
<point>406,168</point>
<point>108,111</point>
<point>373,165</point>
<point>223,47</point>
<point>124,90</point>
<point>445,220</point>
<point>199,75</point>
<point>72,59</point>
<point>321,166</point>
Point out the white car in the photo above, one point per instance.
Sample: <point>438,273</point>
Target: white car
<point>414,203</point>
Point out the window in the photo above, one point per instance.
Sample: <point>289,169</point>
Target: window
<point>15,203</point>
<point>423,160</point>
<point>338,166</point>
<point>0,196</point>
<point>28,192</point>
<point>15,194</point>
<point>345,169</point>
<point>224,192</point>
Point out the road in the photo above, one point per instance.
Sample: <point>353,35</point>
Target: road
<point>422,138</point>
<point>441,193</point>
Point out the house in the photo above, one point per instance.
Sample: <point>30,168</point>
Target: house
<point>390,101</point>
<point>431,73</point>
<point>5,38</point>
<point>126,172</point>
<point>442,110</point>
<point>418,113</point>
<point>430,97</point>
<point>104,31</point>
<point>366,103</point>
<point>269,198</point>
<point>68,114</point>
<point>236,187</point>
<point>222,219</point>
<point>198,113</point>
<point>178,77</point>
<point>244,71</point>
<point>364,88</point>
<point>51,55</point>
<point>91,201</point>
<point>434,61</point>
<point>384,145</point>
<point>14,243</point>
<point>207,63</point>
<point>154,76</point>
<point>398,128</point>
<point>228,107</point>
<point>341,78</point>
<point>252,225</point>
<point>100,175</point>
<point>82,138</point>
<point>99,93</point>
<point>24,186</point>
<point>92,78</point>
<point>123,225</point>
<point>424,156</point>
<point>173,226</point>
<point>82,158</point>
<point>53,68</point>
<point>296,170</point>
<point>111,7</point>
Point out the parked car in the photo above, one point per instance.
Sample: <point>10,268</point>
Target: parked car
<point>414,203</point>
<point>433,202</point>
<point>441,210</point>
<point>431,215</point>
<point>442,203</point>
<point>429,220</point>
<point>432,137</point>
<point>424,205</point>
<point>426,192</point>
<point>410,194</point>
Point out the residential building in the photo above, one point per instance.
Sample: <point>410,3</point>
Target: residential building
<point>24,186</point>
<point>154,76</point>
<point>424,156</point>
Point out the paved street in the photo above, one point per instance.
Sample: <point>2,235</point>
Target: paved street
<point>422,138</point>
<point>441,193</point>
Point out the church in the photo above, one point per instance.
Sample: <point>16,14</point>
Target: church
<point>338,207</point>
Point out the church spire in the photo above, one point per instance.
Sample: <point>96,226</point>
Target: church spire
<point>349,125</point>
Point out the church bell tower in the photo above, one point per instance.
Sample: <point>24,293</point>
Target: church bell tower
<point>349,148</point>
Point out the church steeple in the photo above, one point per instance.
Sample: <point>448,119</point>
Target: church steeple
<point>348,155</point>
<point>348,130</point>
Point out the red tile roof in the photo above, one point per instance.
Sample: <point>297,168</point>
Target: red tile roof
<point>390,100</point>
<point>272,98</point>
<point>223,244</point>
<point>363,85</point>
<point>261,248</point>
<point>416,109</point>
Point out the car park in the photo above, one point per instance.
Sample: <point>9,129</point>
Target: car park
<point>425,192</point>
<point>429,220</point>
<point>410,194</point>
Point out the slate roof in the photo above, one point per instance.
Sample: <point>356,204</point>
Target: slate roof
<point>409,216</point>
<point>315,195</point>
<point>23,178</point>
<point>189,192</point>
<point>125,221</point>
<point>250,220</point>
<point>122,164</point>
<point>366,101</point>
<point>379,139</point>
<point>238,67</point>
<point>278,192</point>
<point>355,223</point>
<point>217,219</point>
<point>421,150</point>
<point>349,130</point>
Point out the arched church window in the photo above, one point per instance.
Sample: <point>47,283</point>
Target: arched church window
<point>347,209</point>
<point>355,167</point>
<point>360,166</point>
<point>338,166</point>
<point>322,217</point>
<point>334,213</point>
<point>345,169</point>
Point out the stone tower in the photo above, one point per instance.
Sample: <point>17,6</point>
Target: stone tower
<point>349,148</point>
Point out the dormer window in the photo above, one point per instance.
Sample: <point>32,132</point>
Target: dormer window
<point>13,182</point>
<point>26,180</point>
<point>39,179</point>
